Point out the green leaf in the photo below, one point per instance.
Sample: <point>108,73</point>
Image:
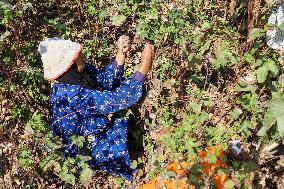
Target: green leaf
<point>229,184</point>
<point>36,122</point>
<point>118,20</point>
<point>281,27</point>
<point>86,175</point>
<point>193,178</point>
<point>264,69</point>
<point>262,131</point>
<point>47,162</point>
<point>209,102</point>
<point>69,178</point>
<point>236,113</point>
<point>212,158</point>
<point>81,161</point>
<point>246,125</point>
<point>224,56</point>
<point>248,101</point>
<point>205,47</point>
<point>190,57</point>
<point>245,87</point>
<point>78,140</point>
<point>69,162</point>
<point>256,33</point>
<point>262,73</point>
<point>140,160</point>
<point>13,88</point>
<point>249,58</point>
<point>275,112</point>
<point>50,143</point>
<point>205,26</point>
<point>92,10</point>
<point>119,182</point>
<point>196,108</point>
<point>275,108</point>
<point>276,95</point>
<point>153,14</point>
<point>134,164</point>
<point>255,48</point>
<point>273,67</point>
<point>196,169</point>
<point>204,116</point>
<point>84,158</point>
<point>102,15</point>
<point>259,62</point>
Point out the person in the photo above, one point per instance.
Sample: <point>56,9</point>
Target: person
<point>275,40</point>
<point>82,97</point>
<point>275,34</point>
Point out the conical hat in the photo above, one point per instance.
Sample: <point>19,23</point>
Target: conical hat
<point>57,56</point>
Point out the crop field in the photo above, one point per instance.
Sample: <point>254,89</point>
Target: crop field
<point>213,100</point>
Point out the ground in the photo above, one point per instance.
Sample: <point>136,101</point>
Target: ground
<point>212,83</point>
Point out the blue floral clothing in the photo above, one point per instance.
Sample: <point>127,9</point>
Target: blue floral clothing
<point>75,110</point>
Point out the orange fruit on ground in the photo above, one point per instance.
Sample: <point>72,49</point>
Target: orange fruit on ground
<point>179,169</point>
<point>206,167</point>
<point>217,150</point>
<point>214,150</point>
<point>202,154</point>
<point>176,185</point>
<point>219,180</point>
<point>150,185</point>
<point>185,164</point>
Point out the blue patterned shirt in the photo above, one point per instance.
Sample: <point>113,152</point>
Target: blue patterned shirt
<point>75,110</point>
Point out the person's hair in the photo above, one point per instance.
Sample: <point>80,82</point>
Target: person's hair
<point>74,77</point>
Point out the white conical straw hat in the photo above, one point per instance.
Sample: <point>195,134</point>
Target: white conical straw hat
<point>275,36</point>
<point>57,56</point>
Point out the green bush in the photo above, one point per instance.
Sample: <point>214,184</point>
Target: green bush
<point>214,80</point>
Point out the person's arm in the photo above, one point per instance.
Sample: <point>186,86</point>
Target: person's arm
<point>110,77</point>
<point>105,102</point>
<point>107,78</point>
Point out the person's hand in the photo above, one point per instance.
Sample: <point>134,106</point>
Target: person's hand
<point>123,44</point>
<point>146,59</point>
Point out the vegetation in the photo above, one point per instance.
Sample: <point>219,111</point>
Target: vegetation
<point>214,82</point>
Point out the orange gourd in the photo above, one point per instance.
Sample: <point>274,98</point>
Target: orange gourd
<point>178,185</point>
<point>206,167</point>
<point>217,150</point>
<point>214,150</point>
<point>150,185</point>
<point>169,184</point>
<point>185,165</point>
<point>219,180</point>
<point>202,154</point>
<point>179,169</point>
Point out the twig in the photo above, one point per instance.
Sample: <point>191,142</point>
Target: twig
<point>250,18</point>
<point>206,77</point>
